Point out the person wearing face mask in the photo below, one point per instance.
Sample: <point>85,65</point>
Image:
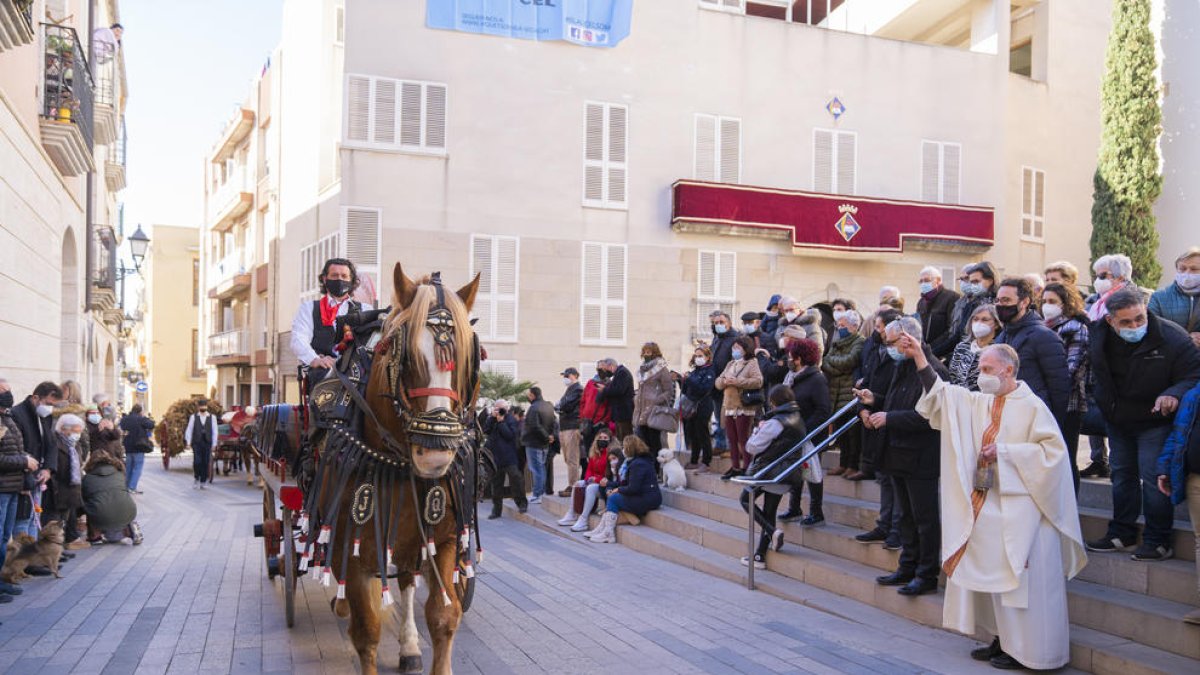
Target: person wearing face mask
<point>841,366</point>
<point>593,413</point>
<point>314,327</point>
<point>14,466</point>
<point>654,402</point>
<point>34,417</point>
<point>724,335</point>
<point>136,443</point>
<point>741,376</point>
<point>752,325</point>
<point>1043,356</point>
<point>810,392</point>
<point>770,318</point>
<point>1110,273</point>
<point>568,426</point>
<point>964,362</point>
<point>1141,367</point>
<point>1009,524</point>
<point>977,289</point>
<point>1062,307</point>
<point>72,403</point>
<point>909,456</point>
<point>789,311</point>
<point>67,496</point>
<point>617,393</point>
<point>593,484</point>
<point>877,369</point>
<point>1180,301</point>
<point>201,436</point>
<point>697,388</point>
<point>936,306</point>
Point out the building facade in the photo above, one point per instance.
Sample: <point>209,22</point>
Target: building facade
<point>62,167</point>
<point>170,337</point>
<point>1174,22</point>
<point>723,152</point>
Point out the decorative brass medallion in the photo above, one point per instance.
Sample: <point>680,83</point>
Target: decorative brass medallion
<point>363,505</point>
<point>435,505</point>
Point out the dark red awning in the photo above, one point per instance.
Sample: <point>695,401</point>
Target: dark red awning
<point>831,222</point>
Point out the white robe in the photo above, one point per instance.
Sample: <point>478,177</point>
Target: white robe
<point>1011,579</point>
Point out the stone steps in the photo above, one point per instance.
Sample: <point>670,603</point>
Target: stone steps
<point>837,585</point>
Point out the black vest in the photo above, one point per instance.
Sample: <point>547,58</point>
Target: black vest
<point>324,338</point>
<point>202,432</point>
<point>793,432</point>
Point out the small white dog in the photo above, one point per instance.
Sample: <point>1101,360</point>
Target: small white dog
<point>674,476</point>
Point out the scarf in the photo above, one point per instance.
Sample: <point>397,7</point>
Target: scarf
<point>329,310</point>
<point>649,370</point>
<point>76,470</point>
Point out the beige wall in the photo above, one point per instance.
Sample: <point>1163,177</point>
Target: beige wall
<point>1175,21</point>
<point>171,316</point>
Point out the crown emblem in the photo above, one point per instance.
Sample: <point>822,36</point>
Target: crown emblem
<point>848,208</point>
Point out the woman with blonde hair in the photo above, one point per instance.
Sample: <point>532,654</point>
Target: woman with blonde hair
<point>594,481</point>
<point>637,493</point>
<point>653,402</point>
<point>741,383</point>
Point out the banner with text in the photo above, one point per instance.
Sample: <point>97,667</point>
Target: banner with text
<point>590,23</point>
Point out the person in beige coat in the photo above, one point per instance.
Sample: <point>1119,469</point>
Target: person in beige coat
<point>741,375</point>
<point>654,401</point>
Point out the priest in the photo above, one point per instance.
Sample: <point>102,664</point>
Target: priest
<point>1010,526</point>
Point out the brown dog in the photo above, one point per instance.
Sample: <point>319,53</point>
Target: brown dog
<point>46,552</point>
<point>8,574</point>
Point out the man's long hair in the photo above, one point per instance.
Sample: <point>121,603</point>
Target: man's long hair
<point>339,261</point>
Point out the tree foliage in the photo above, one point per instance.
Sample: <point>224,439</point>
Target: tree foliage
<point>1127,180</point>
<point>496,386</point>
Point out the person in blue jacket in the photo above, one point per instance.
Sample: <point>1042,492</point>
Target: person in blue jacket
<point>502,434</point>
<point>638,493</point>
<point>1179,470</point>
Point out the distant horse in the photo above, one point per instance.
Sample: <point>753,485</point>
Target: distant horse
<point>401,490</point>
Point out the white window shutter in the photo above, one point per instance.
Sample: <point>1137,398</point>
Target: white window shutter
<point>593,152</point>
<point>592,271</point>
<point>410,114</point>
<point>358,113</point>
<point>822,161</point>
<point>1027,202</point>
<point>930,171</point>
<point>618,130</point>
<point>706,275</point>
<point>615,296</point>
<point>951,172</point>
<point>727,275</point>
<point>362,231</point>
<point>1039,202</point>
<point>704,165</point>
<point>384,103</point>
<point>731,150</point>
<point>502,367</point>
<point>846,159</point>
<point>506,276</point>
<point>435,116</point>
<point>482,264</point>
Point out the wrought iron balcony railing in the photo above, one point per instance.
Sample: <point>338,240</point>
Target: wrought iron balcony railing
<point>118,149</point>
<point>105,261</point>
<point>68,92</point>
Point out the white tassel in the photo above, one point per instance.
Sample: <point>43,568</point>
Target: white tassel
<point>303,522</point>
<point>445,599</point>
<point>469,570</point>
<point>424,554</point>
<point>432,549</point>
<point>416,580</point>
<point>455,576</point>
<point>479,556</point>
<point>316,572</point>
<point>464,539</point>
<point>325,577</point>
<point>389,558</point>
<point>304,562</point>
<point>341,592</point>
<point>387,597</point>
<point>355,548</point>
<point>323,538</point>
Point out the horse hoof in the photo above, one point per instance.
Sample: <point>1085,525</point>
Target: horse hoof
<point>411,664</point>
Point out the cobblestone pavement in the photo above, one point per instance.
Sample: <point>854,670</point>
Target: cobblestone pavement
<point>195,598</point>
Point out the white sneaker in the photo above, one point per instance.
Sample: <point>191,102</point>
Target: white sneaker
<point>580,525</point>
<point>536,500</point>
<point>776,540</point>
<point>568,519</point>
<point>196,485</point>
<point>758,564</point>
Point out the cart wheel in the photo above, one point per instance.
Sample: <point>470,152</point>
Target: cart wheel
<point>289,567</point>
<point>466,586</point>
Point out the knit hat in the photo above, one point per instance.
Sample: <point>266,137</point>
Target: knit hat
<point>773,301</point>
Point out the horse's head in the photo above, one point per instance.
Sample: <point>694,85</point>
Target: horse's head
<point>429,359</point>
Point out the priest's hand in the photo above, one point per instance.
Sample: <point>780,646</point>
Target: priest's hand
<point>1164,485</point>
<point>864,396</point>
<point>878,420</point>
<point>1165,405</point>
<point>911,347</point>
<point>988,453</point>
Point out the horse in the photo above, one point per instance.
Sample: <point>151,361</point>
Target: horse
<point>381,499</point>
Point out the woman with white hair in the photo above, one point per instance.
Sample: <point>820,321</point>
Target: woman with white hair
<point>1110,273</point>
<point>67,497</point>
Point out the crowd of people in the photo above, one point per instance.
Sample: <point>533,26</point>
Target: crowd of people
<point>69,470</point>
<point>1119,365</point>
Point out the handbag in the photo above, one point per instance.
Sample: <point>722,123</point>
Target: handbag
<point>577,494</point>
<point>752,398</point>
<point>662,419</point>
<point>687,407</point>
<point>812,471</point>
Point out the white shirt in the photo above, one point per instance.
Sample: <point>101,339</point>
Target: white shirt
<point>187,435</point>
<point>302,328</point>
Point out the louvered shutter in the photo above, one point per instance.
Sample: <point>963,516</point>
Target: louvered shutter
<point>731,150</point>
<point>706,275</point>
<point>846,159</point>
<point>481,264</point>
<point>1027,202</point>
<point>705,141</point>
<point>727,275</point>
<point>592,271</point>
<point>384,104</point>
<point>435,116</point>
<point>618,129</point>
<point>505,274</point>
<point>410,114</point>
<point>615,296</point>
<point>1039,213</point>
<point>930,171</point>
<point>593,163</point>
<point>951,172</point>
<point>502,367</point>
<point>361,235</point>
<point>716,287</point>
<point>358,104</point>
<point>822,161</point>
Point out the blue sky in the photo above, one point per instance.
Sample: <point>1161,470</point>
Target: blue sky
<point>189,63</point>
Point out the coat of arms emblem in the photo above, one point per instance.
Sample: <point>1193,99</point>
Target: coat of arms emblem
<point>847,226</point>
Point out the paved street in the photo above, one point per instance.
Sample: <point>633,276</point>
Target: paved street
<point>194,598</point>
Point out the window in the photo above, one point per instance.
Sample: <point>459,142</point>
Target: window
<point>361,235</point>
<point>717,145</point>
<point>387,114</point>
<point>196,370</point>
<point>735,6</point>
<point>606,130</point>
<point>1033,203</point>
<point>587,370</point>
<point>716,286</point>
<point>602,307</point>
<point>496,260</point>
<point>835,155</point>
<point>195,282</point>
<point>312,259</point>
<point>500,366</point>
<point>941,171</point>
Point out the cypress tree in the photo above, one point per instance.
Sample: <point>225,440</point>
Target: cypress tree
<point>1127,181</point>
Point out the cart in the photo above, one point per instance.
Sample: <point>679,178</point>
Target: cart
<point>282,500</point>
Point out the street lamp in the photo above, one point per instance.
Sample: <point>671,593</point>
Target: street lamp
<point>138,244</point>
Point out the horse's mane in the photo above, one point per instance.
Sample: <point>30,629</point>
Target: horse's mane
<point>414,316</point>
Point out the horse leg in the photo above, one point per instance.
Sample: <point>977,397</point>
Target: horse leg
<point>410,646</point>
<point>363,594</point>
<point>441,618</point>
<point>246,463</point>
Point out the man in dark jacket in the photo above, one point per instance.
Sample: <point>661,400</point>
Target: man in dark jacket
<point>936,306</point>
<point>1142,366</point>
<point>568,427</point>
<point>618,394</point>
<point>14,464</point>
<point>1043,356</point>
<point>137,428</point>
<point>911,456</point>
<point>501,430</point>
<point>201,436</point>
<point>33,417</point>
<point>539,429</point>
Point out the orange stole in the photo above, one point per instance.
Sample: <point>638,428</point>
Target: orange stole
<point>978,495</point>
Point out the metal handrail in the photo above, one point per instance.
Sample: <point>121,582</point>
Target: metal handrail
<point>799,445</point>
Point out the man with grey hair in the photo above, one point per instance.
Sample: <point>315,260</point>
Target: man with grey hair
<point>909,456</point>
<point>618,392</point>
<point>936,306</point>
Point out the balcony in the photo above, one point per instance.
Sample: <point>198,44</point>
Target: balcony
<point>232,203</point>
<point>108,95</point>
<point>239,126</point>
<point>16,23</point>
<point>228,277</point>
<point>229,348</point>
<point>103,276</point>
<point>823,224</point>
<point>66,116</point>
<point>114,168</point>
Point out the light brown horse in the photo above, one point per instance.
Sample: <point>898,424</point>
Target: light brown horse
<point>423,382</point>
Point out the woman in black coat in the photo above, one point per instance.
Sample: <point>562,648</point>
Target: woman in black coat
<point>697,388</point>
<point>811,389</point>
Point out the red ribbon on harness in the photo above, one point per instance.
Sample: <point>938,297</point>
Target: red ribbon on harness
<point>433,391</point>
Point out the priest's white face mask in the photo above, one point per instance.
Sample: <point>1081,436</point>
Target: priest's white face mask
<point>997,374</point>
